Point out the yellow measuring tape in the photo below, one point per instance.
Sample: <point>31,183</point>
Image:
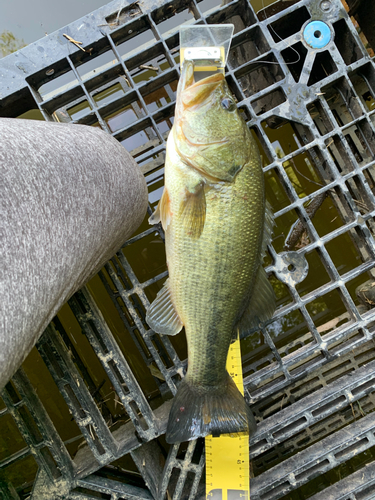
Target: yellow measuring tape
<point>227,457</point>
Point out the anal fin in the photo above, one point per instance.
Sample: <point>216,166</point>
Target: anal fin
<point>261,306</point>
<point>161,316</point>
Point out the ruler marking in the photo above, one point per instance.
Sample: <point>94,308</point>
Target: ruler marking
<point>227,467</point>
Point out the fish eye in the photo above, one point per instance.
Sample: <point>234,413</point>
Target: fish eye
<point>228,104</point>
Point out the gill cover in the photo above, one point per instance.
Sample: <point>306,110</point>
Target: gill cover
<point>209,133</point>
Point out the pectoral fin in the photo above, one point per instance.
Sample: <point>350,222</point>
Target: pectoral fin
<point>162,316</point>
<point>193,211</point>
<point>261,306</point>
<point>163,211</point>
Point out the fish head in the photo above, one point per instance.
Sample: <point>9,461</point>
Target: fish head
<point>210,134</point>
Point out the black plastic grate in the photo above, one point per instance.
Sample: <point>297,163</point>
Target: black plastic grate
<point>313,114</point>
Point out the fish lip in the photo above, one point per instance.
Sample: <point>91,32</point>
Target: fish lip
<point>197,92</point>
<point>215,78</point>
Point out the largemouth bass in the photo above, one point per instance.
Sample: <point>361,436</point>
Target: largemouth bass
<point>213,211</point>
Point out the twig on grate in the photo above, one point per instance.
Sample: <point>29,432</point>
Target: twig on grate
<point>116,22</point>
<point>77,44</point>
<point>174,10</point>
<point>361,205</point>
<point>97,390</point>
<point>145,66</point>
<point>282,401</point>
<point>361,409</point>
<point>127,81</point>
<point>118,401</point>
<point>298,229</point>
<point>91,431</point>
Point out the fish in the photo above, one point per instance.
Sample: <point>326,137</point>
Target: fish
<point>217,226</point>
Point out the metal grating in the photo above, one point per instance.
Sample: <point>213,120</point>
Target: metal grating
<point>311,376</point>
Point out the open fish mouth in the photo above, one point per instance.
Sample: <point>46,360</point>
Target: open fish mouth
<point>211,79</point>
<point>195,93</point>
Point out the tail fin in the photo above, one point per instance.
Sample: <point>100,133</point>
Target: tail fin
<point>200,411</point>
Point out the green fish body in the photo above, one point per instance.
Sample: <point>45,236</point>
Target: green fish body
<point>213,211</point>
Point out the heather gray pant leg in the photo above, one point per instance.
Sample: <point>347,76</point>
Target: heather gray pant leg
<point>70,196</point>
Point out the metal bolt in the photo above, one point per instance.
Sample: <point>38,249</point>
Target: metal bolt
<point>325,5</point>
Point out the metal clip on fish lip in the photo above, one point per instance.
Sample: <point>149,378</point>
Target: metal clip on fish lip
<point>206,45</point>
<point>203,55</point>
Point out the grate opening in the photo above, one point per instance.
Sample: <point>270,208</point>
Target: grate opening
<point>51,463</point>
<point>11,439</point>
<point>354,448</point>
<point>171,15</point>
<point>141,422</point>
<point>295,57</point>
<point>138,32</point>
<point>105,94</point>
<point>290,333</point>
<point>350,260</point>
<point>364,84</point>
<point>248,45</point>
<point>289,24</point>
<point>344,40</point>
<point>237,13</point>
<point>95,63</point>
<point>339,155</point>
<point>275,491</point>
<point>53,80</point>
<point>286,137</point>
<point>269,101</point>
<point>312,471</point>
<point>91,493</point>
<point>253,77</point>
<point>21,476</point>
<point>123,15</point>
<point>343,102</point>
<point>320,117</point>
<point>365,494</point>
<point>337,474</point>
<point>323,66</point>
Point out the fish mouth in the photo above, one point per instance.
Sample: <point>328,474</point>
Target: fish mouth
<point>195,93</point>
<point>190,95</point>
<point>211,79</point>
